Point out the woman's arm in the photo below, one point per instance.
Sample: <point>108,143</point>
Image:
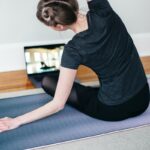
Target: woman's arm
<point>64,86</point>
<point>98,4</point>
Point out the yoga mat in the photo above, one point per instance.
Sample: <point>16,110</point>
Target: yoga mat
<point>68,124</point>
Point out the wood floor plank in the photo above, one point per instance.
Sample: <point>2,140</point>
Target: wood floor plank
<point>14,81</point>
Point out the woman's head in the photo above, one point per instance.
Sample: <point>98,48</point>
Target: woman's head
<point>58,13</point>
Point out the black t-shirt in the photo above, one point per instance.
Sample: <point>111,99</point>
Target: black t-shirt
<point>108,49</point>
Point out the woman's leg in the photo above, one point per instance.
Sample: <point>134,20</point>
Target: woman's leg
<point>85,100</point>
<point>131,108</point>
<point>49,84</point>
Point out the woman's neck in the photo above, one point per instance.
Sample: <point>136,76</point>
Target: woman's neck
<point>80,25</point>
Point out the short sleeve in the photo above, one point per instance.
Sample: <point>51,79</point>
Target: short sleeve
<point>70,58</point>
<point>98,4</point>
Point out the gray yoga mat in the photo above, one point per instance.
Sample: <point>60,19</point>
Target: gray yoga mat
<point>68,124</point>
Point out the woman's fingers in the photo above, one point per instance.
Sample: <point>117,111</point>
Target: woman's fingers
<point>3,125</point>
<point>3,121</point>
<point>3,128</point>
<point>3,118</point>
<point>7,123</point>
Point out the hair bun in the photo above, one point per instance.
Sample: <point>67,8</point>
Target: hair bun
<point>53,12</point>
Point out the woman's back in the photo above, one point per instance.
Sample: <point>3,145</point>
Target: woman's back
<point>107,48</point>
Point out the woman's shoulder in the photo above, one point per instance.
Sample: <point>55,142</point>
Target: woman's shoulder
<point>71,47</point>
<point>74,43</point>
<point>78,47</point>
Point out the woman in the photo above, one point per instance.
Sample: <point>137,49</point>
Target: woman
<point>102,43</point>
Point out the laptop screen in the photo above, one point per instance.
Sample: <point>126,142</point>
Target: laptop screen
<point>43,59</point>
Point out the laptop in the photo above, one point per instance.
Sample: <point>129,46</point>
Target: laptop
<point>42,60</point>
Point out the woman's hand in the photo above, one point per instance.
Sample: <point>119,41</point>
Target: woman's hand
<point>8,124</point>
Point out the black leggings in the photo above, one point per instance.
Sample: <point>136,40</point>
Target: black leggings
<point>84,99</point>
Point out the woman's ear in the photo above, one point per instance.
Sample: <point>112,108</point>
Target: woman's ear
<point>59,26</point>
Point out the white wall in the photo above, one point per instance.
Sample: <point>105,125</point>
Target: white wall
<point>135,14</point>
<point>19,27</point>
<point>19,23</point>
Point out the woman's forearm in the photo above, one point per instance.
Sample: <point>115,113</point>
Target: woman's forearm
<point>39,113</point>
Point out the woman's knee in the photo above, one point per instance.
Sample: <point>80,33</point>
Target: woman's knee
<point>49,84</point>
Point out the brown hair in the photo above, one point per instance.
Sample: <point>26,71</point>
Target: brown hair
<point>53,12</point>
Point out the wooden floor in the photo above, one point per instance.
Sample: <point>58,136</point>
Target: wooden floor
<point>14,81</point>
<point>18,80</point>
